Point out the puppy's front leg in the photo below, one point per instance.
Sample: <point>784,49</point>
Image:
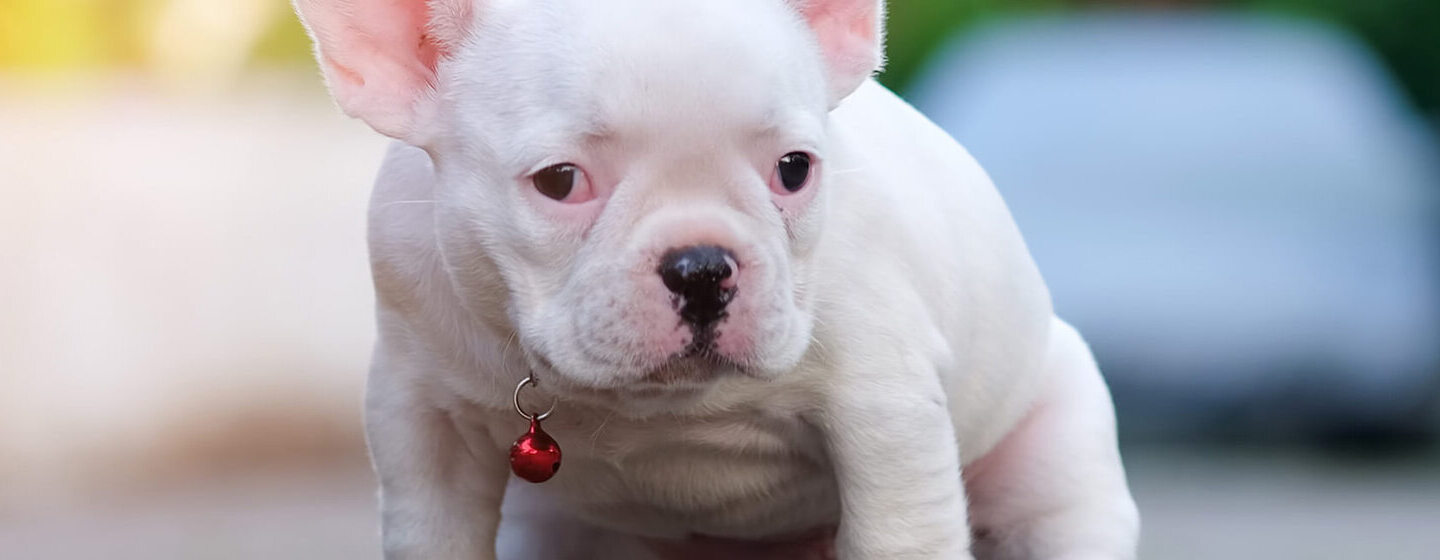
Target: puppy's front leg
<point>438,500</point>
<point>896,460</point>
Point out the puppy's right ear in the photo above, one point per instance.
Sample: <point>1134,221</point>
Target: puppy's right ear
<point>380,57</point>
<point>851,36</point>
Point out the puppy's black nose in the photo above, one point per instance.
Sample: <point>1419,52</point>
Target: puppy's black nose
<point>700,277</point>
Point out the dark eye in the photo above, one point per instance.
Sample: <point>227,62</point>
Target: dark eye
<point>793,171</point>
<point>556,181</point>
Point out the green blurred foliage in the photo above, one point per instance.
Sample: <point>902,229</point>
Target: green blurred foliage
<point>283,41</point>
<point>47,35</point>
<point>1406,33</point>
<point>917,27</point>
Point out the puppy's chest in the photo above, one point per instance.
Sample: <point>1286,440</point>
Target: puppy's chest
<point>743,475</point>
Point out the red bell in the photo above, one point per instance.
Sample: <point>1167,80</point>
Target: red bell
<point>535,456</point>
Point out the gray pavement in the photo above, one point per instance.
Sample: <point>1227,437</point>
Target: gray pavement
<point>1196,506</point>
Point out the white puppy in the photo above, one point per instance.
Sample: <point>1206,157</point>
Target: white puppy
<point>780,312</point>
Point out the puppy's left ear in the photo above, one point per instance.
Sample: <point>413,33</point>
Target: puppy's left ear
<point>851,35</point>
<point>380,56</point>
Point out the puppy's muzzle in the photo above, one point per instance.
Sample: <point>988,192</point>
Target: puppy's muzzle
<point>701,279</point>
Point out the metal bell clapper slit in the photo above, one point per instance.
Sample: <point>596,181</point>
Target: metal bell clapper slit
<point>535,457</point>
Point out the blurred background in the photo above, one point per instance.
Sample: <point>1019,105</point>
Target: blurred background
<point>1237,201</point>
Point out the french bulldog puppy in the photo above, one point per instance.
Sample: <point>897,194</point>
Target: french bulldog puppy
<point>779,313</point>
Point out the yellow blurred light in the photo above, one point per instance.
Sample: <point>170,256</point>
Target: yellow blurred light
<point>206,43</point>
<point>48,34</point>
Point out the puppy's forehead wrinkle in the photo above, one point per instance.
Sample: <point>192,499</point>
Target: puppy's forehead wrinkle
<point>562,77</point>
<point>690,54</point>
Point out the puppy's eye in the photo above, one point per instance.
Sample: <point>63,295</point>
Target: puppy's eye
<point>564,182</point>
<point>793,171</point>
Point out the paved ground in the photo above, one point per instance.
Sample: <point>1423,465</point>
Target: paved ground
<point>1281,507</point>
<point>1196,507</point>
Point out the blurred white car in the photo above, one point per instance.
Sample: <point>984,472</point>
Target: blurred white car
<point>1240,213</point>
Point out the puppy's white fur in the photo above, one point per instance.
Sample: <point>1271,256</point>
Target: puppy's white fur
<point>890,348</point>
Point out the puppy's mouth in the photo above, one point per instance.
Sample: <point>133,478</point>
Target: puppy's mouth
<point>678,382</point>
<point>698,364</point>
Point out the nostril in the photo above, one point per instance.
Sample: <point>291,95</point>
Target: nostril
<point>701,267</point>
<point>701,278</point>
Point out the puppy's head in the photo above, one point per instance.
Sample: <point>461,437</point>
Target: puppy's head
<point>634,186</point>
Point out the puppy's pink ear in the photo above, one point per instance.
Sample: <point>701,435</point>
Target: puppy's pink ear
<point>379,57</point>
<point>851,34</point>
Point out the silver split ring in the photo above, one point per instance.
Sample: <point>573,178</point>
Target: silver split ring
<point>530,380</point>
